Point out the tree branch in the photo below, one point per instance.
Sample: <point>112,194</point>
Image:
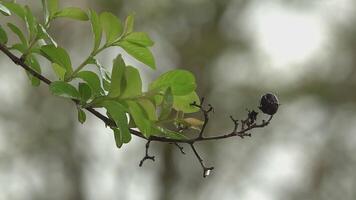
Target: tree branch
<point>147,157</point>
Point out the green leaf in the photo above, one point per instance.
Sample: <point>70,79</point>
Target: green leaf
<point>33,63</point>
<point>139,38</point>
<point>96,28</point>
<point>30,23</point>
<point>111,25</point>
<point>59,71</point>
<point>168,133</point>
<point>182,103</point>
<point>18,32</point>
<point>93,81</point>
<point>58,55</point>
<point>138,115</point>
<point>19,47</point>
<point>81,116</point>
<point>118,137</point>
<point>63,89</point>
<point>3,35</point>
<point>167,104</point>
<point>43,34</point>
<point>129,23</point>
<point>72,13</point>
<point>15,8</point>
<point>117,74</point>
<point>139,52</point>
<point>149,108</point>
<point>117,113</point>
<point>4,10</point>
<point>133,83</point>
<point>45,11</point>
<point>182,82</point>
<point>84,92</point>
<point>52,7</point>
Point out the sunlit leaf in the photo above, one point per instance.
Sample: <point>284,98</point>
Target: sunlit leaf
<point>133,83</point>
<point>149,108</point>
<point>183,103</point>
<point>139,38</point>
<point>111,26</point>
<point>72,13</point>
<point>142,54</point>
<point>129,23</point>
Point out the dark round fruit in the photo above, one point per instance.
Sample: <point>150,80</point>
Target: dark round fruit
<point>269,104</point>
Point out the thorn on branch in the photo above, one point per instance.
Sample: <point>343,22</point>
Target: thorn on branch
<point>206,170</point>
<point>179,147</point>
<point>146,154</point>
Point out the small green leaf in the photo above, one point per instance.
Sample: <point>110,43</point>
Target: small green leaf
<point>167,104</point>
<point>139,52</point>
<point>72,13</point>
<point>58,55</point>
<point>84,92</point>
<point>93,81</point>
<point>117,74</point>
<point>15,8</point>
<point>111,25</point>
<point>34,64</point>
<point>118,137</point>
<point>59,71</point>
<point>81,116</point>
<point>138,115</point>
<point>30,23</point>
<point>96,28</point>
<point>45,10</point>
<point>129,23</point>
<point>139,38</point>
<point>52,7</point>
<point>18,32</point>
<point>63,89</point>
<point>182,82</point>
<point>149,108</point>
<point>133,83</point>
<point>3,35</point>
<point>4,10</point>
<point>183,103</point>
<point>117,113</point>
<point>43,34</point>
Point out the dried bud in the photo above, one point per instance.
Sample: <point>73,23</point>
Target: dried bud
<point>269,104</point>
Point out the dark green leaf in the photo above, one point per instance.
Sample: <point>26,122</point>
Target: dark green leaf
<point>139,38</point>
<point>93,81</point>
<point>85,92</point>
<point>182,82</point>
<point>3,36</point>
<point>63,89</point>
<point>73,13</point>
<point>81,116</point>
<point>118,137</point>
<point>96,28</point>
<point>149,109</point>
<point>138,115</point>
<point>58,55</point>
<point>111,25</point>
<point>15,8</point>
<point>117,113</point>
<point>139,52</point>
<point>4,10</point>
<point>167,104</point>
<point>33,63</point>
<point>182,103</point>
<point>117,74</point>
<point>18,32</point>
<point>133,83</point>
<point>59,71</point>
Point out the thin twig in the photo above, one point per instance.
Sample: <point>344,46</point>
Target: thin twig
<point>206,170</point>
<point>179,147</point>
<point>146,154</point>
<point>206,112</point>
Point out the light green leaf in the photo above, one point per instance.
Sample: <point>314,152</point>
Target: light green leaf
<point>93,81</point>
<point>96,28</point>
<point>63,89</point>
<point>18,32</point>
<point>138,115</point>
<point>3,36</point>
<point>133,83</point>
<point>58,55</point>
<point>111,25</point>
<point>167,104</point>
<point>129,23</point>
<point>15,8</point>
<point>30,23</point>
<point>72,13</point>
<point>182,103</point>
<point>4,10</point>
<point>117,113</point>
<point>59,71</point>
<point>141,53</point>
<point>52,7</point>
<point>81,116</point>
<point>149,108</point>
<point>118,71</point>
<point>139,38</point>
<point>182,82</point>
<point>84,92</point>
<point>168,133</point>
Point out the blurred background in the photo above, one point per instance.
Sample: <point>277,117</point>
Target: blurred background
<point>302,50</point>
